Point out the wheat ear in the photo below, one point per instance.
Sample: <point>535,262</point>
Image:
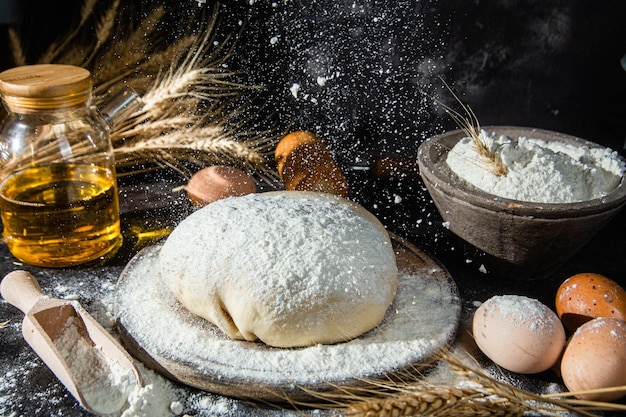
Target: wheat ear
<point>135,47</point>
<point>446,401</point>
<point>467,121</point>
<point>471,393</point>
<point>19,58</point>
<point>209,139</point>
<point>549,404</point>
<point>185,90</point>
<point>104,28</point>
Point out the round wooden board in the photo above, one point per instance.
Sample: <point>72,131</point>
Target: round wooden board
<point>162,334</point>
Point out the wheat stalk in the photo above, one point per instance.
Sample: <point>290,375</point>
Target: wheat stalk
<point>209,139</point>
<point>467,121</point>
<point>16,48</point>
<point>546,404</point>
<point>135,47</point>
<point>184,86</point>
<point>448,401</point>
<point>470,392</point>
<point>104,29</point>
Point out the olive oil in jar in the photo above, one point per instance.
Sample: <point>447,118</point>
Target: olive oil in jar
<point>60,215</point>
<point>58,188</point>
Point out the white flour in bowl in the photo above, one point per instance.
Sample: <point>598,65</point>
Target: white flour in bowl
<point>539,171</point>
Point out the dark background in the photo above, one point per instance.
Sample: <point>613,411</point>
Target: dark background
<point>547,64</point>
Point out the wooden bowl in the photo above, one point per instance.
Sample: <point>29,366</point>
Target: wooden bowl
<point>522,240</point>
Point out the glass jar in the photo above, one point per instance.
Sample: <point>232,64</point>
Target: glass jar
<point>58,188</point>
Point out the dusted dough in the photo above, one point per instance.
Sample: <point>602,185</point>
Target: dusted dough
<point>287,268</point>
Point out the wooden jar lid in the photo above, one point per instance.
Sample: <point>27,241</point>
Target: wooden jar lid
<point>45,86</point>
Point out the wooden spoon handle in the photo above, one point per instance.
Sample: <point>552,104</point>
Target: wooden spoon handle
<point>21,289</point>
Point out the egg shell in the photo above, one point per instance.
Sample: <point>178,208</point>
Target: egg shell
<point>518,333</point>
<point>217,182</point>
<point>595,357</point>
<point>586,296</point>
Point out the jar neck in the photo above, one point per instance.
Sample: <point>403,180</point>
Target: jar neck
<point>53,116</point>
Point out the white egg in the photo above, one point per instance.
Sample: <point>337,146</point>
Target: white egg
<point>519,333</point>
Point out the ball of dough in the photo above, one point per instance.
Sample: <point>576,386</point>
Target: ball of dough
<point>287,268</point>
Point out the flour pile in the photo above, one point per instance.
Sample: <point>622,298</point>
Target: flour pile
<point>106,386</point>
<point>539,171</point>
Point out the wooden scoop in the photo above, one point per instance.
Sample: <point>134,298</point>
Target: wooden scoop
<point>46,327</point>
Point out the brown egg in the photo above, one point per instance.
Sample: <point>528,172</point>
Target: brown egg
<point>518,333</point>
<point>595,358</point>
<point>585,296</point>
<point>216,182</point>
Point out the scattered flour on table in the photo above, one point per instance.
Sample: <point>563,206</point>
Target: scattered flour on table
<point>539,171</point>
